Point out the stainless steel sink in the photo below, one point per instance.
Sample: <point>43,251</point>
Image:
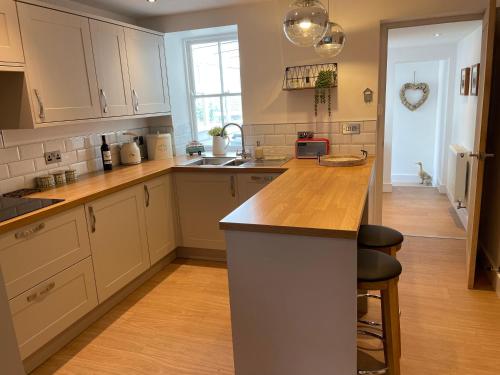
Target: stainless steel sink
<point>236,162</point>
<point>211,161</point>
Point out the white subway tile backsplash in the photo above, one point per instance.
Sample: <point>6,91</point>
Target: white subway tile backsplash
<point>248,130</point>
<point>253,139</point>
<point>274,140</point>
<point>68,158</point>
<point>85,154</point>
<point>11,184</point>
<point>263,129</point>
<point>74,143</point>
<point>327,127</point>
<point>81,168</point>
<point>40,164</point>
<point>94,165</point>
<point>287,129</point>
<point>364,138</point>
<point>371,149</point>
<point>31,151</point>
<point>305,127</point>
<point>21,168</point>
<point>290,140</point>
<point>340,139</point>
<point>55,145</point>
<point>369,126</point>
<point>351,149</point>
<point>4,172</point>
<point>8,155</point>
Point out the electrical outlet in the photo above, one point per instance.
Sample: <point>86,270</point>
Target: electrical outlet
<point>351,128</point>
<point>52,157</point>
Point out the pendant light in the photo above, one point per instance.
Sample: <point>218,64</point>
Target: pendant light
<point>305,22</point>
<point>333,41</point>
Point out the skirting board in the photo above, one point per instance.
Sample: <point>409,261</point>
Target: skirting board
<point>201,254</point>
<point>57,343</point>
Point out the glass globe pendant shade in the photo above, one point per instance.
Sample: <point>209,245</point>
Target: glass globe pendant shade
<point>332,42</point>
<point>305,22</point>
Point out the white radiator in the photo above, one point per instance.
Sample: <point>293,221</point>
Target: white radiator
<point>459,173</point>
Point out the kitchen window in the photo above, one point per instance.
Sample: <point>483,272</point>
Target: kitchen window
<point>214,85</point>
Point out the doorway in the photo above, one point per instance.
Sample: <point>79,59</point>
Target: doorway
<point>430,122</point>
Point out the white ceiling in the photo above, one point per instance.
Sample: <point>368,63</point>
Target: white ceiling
<point>449,33</point>
<point>142,8</point>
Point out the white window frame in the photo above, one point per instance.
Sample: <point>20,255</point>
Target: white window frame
<point>216,38</point>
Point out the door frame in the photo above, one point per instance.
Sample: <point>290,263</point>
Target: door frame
<point>385,26</point>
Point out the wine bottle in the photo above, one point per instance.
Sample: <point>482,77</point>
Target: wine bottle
<point>106,155</point>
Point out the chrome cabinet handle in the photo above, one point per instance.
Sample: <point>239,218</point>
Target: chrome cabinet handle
<point>29,232</point>
<point>41,112</point>
<point>146,194</point>
<point>92,219</point>
<point>136,100</point>
<point>47,288</point>
<point>104,101</point>
<point>233,187</point>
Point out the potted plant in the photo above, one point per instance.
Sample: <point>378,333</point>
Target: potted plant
<point>324,83</point>
<point>219,141</point>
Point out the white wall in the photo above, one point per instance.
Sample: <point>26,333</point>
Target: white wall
<point>265,53</point>
<point>414,133</point>
<point>445,58</point>
<point>177,80</point>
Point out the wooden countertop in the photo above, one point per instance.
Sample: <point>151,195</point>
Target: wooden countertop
<point>309,200</point>
<point>99,184</point>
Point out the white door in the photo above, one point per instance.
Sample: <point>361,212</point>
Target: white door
<point>160,217</point>
<point>148,72</point>
<point>477,167</point>
<point>110,55</point>
<point>11,49</point>
<point>117,240</point>
<point>60,64</point>
<point>204,199</point>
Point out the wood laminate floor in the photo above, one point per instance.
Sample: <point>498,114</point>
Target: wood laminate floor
<point>421,211</point>
<point>178,323</point>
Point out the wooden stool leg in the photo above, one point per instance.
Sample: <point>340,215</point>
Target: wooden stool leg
<point>390,318</point>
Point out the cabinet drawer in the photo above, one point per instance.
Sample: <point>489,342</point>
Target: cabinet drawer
<point>38,251</point>
<point>43,312</point>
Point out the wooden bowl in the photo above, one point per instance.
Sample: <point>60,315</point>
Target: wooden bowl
<point>342,160</point>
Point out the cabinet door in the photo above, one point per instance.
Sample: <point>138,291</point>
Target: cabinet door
<point>60,64</point>
<point>160,217</point>
<point>204,199</point>
<point>110,55</point>
<point>251,184</point>
<point>34,253</point>
<point>43,312</point>
<point>11,49</point>
<point>117,240</point>
<point>148,73</point>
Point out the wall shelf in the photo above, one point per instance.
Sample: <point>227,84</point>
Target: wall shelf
<point>304,77</point>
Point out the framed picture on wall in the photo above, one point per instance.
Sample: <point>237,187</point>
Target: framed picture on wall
<point>465,81</point>
<point>474,80</point>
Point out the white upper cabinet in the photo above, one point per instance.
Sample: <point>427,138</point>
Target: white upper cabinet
<point>110,55</point>
<point>60,64</point>
<point>148,73</point>
<point>11,49</point>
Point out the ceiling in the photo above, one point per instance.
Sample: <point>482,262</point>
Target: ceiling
<point>142,8</point>
<point>448,33</point>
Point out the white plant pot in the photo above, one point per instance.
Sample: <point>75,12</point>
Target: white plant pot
<point>219,145</point>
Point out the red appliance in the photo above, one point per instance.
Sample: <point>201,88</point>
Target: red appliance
<point>310,148</point>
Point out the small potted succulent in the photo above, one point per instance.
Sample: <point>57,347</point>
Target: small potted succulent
<point>219,141</point>
<point>325,81</point>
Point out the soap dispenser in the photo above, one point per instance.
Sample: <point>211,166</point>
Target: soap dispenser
<point>259,151</point>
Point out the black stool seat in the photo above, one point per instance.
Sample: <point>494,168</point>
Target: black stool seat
<point>374,266</point>
<point>378,236</point>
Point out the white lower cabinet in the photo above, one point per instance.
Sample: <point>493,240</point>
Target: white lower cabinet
<point>118,239</point>
<point>251,184</point>
<point>160,218</point>
<point>204,199</point>
<point>34,253</point>
<point>44,311</point>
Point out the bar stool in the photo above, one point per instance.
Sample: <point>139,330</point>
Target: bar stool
<point>378,237</point>
<point>379,271</point>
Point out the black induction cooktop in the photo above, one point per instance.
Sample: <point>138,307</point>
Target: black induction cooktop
<point>12,207</point>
